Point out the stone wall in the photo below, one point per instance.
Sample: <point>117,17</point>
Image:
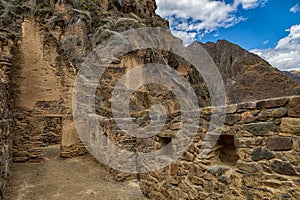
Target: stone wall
<point>6,45</point>
<point>257,156</point>
<point>42,87</point>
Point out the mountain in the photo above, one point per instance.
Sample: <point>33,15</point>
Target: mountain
<point>293,74</point>
<point>248,77</point>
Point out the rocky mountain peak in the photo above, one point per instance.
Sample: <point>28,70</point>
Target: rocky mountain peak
<point>248,77</point>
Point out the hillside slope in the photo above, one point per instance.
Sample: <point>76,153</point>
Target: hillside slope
<point>247,76</point>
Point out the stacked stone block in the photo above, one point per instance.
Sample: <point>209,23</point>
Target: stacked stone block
<point>257,156</point>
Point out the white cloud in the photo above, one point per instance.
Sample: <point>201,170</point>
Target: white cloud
<point>265,42</point>
<point>202,16</point>
<point>250,4</point>
<point>185,36</point>
<point>295,8</point>
<point>286,54</point>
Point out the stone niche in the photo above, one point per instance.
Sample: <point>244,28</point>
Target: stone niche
<point>227,151</point>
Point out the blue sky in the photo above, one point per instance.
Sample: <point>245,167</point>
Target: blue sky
<point>269,28</point>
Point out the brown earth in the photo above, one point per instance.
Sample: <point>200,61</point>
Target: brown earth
<point>76,178</point>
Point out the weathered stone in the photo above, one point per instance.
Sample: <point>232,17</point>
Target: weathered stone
<point>288,183</point>
<point>21,159</point>
<point>279,112</point>
<point>22,154</point>
<point>250,180</point>
<point>272,103</point>
<point>272,113</point>
<point>241,107</point>
<point>293,157</point>
<point>230,109</point>
<point>243,133</point>
<point>290,125</point>
<point>244,142</point>
<point>206,111</point>
<point>248,117</point>
<point>286,196</point>
<point>259,140</point>
<point>280,156</point>
<point>264,115</point>
<point>188,156</point>
<point>173,169</point>
<point>195,180</point>
<point>294,107</point>
<point>248,167</point>
<point>166,134</point>
<point>226,129</point>
<point>215,170</point>
<point>244,154</point>
<point>266,167</point>
<point>261,128</point>
<point>232,118</point>
<point>279,143</point>
<point>196,170</point>
<point>172,181</point>
<point>272,183</point>
<point>224,179</point>
<point>283,168</point>
<point>277,121</point>
<point>296,144</point>
<point>276,177</point>
<point>175,126</point>
<point>261,153</point>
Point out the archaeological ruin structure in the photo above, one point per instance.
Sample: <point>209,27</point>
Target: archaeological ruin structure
<point>255,155</point>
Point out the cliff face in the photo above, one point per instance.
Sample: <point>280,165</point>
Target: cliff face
<point>247,76</point>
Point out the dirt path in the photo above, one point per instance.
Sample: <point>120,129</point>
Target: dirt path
<point>70,179</point>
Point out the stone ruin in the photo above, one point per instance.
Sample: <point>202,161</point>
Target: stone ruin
<point>257,155</point>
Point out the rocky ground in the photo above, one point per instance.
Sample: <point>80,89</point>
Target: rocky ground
<point>75,178</point>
